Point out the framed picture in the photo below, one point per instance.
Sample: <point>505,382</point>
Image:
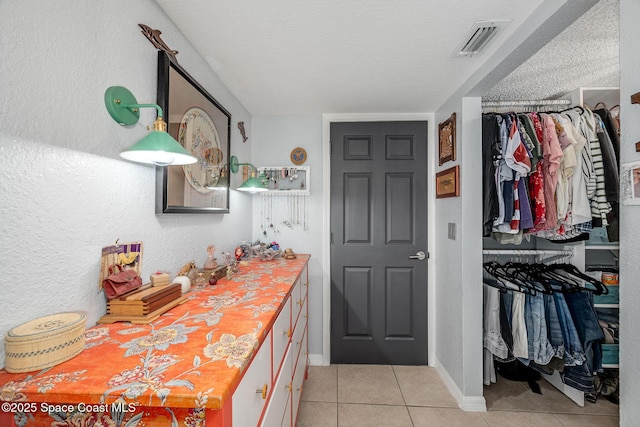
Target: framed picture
<point>447,140</point>
<point>198,122</point>
<point>448,183</point>
<point>630,183</point>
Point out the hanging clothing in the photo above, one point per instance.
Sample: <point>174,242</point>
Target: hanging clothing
<point>544,316</point>
<point>554,176</point>
<point>490,157</point>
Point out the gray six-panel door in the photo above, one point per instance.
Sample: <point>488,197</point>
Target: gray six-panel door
<point>378,229</point>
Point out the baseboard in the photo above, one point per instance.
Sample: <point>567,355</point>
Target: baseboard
<point>466,403</point>
<point>316,360</point>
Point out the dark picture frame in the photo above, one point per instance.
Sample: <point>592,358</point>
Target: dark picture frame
<point>203,126</point>
<point>447,140</point>
<point>448,183</point>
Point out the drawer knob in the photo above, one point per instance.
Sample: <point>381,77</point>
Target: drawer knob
<point>263,391</point>
<point>289,386</point>
<point>287,333</point>
<point>299,302</point>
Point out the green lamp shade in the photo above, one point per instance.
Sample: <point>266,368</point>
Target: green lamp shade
<point>252,185</point>
<point>158,148</point>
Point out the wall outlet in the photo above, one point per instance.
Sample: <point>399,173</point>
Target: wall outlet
<point>452,231</point>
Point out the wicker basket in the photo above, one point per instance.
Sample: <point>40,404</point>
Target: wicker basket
<point>44,342</point>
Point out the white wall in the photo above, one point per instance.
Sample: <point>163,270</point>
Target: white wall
<point>629,218</point>
<point>65,192</point>
<point>273,139</point>
<point>458,263</point>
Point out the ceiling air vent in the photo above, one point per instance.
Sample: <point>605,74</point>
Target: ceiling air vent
<point>479,36</point>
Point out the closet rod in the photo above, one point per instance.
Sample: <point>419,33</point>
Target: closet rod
<point>566,102</point>
<point>542,252</point>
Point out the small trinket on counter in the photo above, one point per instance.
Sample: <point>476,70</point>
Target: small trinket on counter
<point>201,282</point>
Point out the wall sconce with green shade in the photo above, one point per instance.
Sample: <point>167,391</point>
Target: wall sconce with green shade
<point>158,147</point>
<point>252,184</point>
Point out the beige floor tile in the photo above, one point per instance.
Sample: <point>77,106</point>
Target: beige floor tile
<point>573,420</point>
<point>557,402</point>
<point>359,415</point>
<point>511,395</point>
<point>521,418</point>
<point>317,414</point>
<point>374,384</point>
<point>322,384</point>
<point>445,417</point>
<point>422,386</point>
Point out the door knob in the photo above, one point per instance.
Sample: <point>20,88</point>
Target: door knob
<point>420,255</point>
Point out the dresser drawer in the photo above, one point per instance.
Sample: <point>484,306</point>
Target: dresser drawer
<point>304,283</point>
<point>281,336</point>
<point>295,297</point>
<point>299,376</point>
<point>249,399</point>
<point>276,409</point>
<point>299,324</point>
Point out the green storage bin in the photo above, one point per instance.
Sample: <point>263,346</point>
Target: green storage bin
<point>610,354</point>
<point>613,297</point>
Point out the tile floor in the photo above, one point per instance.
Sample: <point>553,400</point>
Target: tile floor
<point>398,396</point>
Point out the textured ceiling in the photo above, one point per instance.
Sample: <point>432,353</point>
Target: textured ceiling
<point>367,56</point>
<point>583,55</point>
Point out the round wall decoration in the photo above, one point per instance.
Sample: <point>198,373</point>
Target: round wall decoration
<point>298,156</point>
<point>199,136</point>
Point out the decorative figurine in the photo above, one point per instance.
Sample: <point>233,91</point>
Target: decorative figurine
<point>239,253</point>
<point>210,263</point>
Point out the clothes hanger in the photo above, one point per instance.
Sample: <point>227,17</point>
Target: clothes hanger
<point>506,281</point>
<point>520,273</point>
<point>577,107</point>
<point>551,283</point>
<point>599,288</point>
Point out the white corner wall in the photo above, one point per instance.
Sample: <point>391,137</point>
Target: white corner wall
<point>629,218</point>
<point>273,139</point>
<point>65,192</point>
<point>458,264</point>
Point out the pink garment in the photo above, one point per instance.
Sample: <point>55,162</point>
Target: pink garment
<point>552,153</point>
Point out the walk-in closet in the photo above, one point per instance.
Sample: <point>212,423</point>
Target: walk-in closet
<point>551,244</point>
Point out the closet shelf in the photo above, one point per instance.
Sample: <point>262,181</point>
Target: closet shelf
<point>606,305</point>
<point>603,247</point>
<point>610,365</point>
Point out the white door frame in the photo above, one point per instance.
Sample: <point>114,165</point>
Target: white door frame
<point>326,226</point>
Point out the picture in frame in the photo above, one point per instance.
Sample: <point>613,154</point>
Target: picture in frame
<point>203,126</point>
<point>448,183</point>
<point>630,183</point>
<point>447,140</point>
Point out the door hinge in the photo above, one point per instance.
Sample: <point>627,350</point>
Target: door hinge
<point>330,146</point>
<point>331,237</point>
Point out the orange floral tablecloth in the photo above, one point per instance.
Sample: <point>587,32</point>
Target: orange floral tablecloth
<point>188,360</point>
